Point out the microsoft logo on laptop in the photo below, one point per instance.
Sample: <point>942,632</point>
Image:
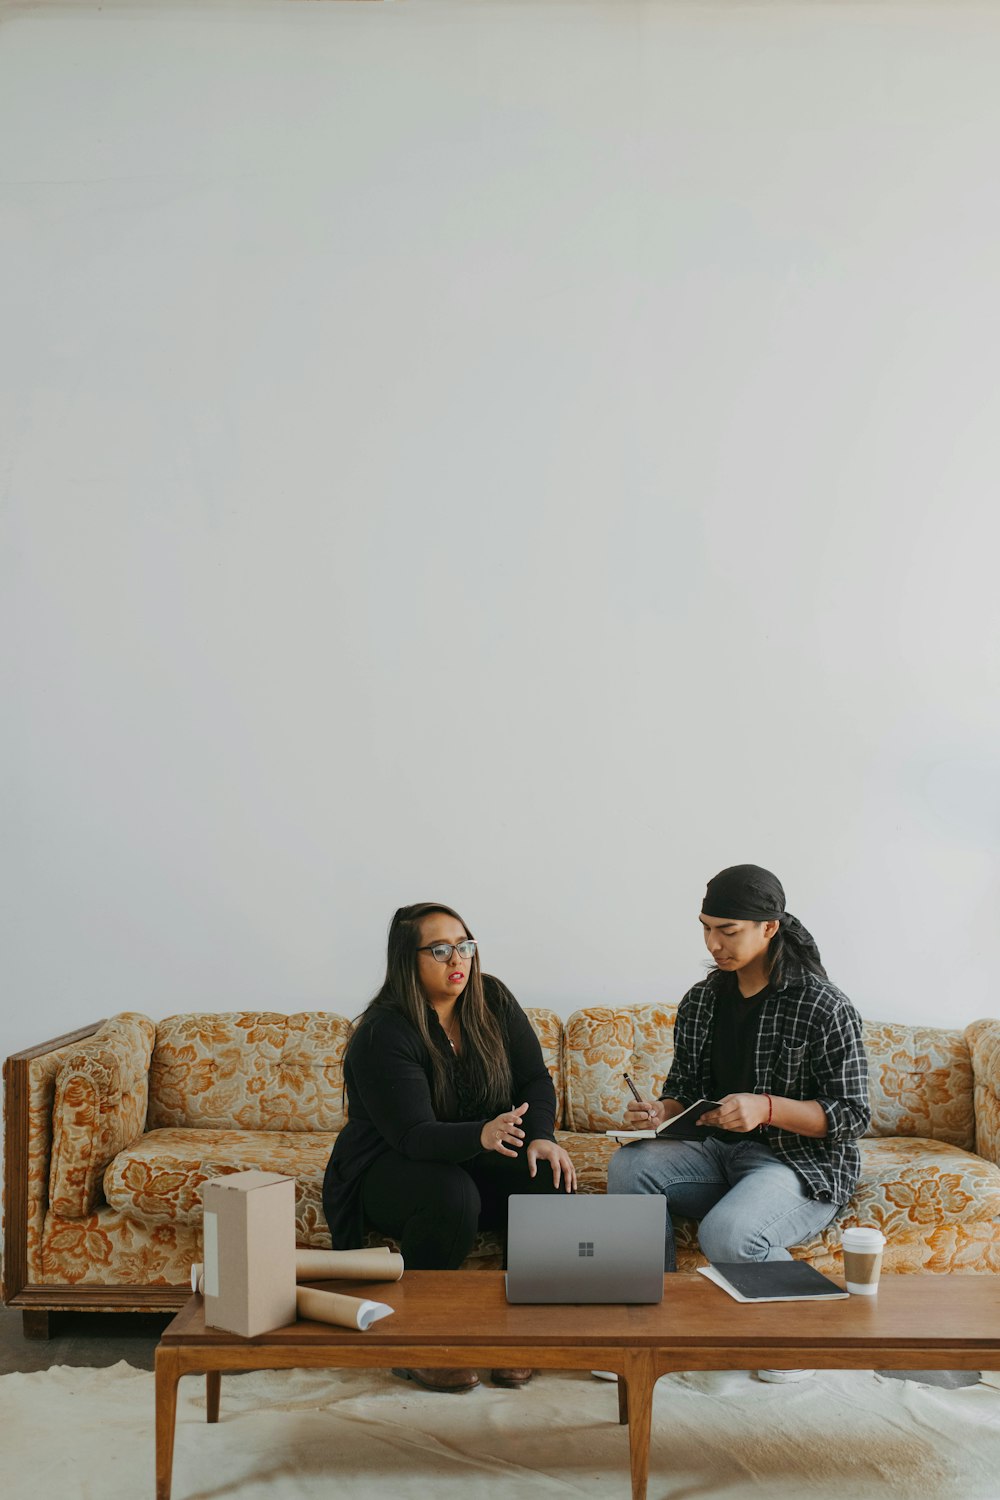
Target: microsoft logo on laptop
<point>586,1247</point>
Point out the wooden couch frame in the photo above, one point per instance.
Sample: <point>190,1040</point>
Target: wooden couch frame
<point>36,1303</point>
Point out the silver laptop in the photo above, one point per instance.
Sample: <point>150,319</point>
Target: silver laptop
<point>585,1247</point>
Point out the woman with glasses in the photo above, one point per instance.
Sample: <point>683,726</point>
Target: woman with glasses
<point>450,1110</point>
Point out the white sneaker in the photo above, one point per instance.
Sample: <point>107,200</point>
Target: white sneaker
<point>783,1377</point>
<point>604,1374</point>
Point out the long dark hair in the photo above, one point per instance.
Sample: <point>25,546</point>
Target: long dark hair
<point>793,947</point>
<point>484,1049</point>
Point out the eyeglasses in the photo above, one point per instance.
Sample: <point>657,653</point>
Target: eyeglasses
<point>443,951</point>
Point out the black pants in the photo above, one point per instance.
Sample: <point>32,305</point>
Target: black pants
<point>435,1208</point>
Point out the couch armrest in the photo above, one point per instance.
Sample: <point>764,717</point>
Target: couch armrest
<point>102,1093</point>
<point>983,1038</point>
<point>29,1087</point>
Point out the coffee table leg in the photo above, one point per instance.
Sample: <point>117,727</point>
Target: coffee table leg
<point>622,1400</point>
<point>168,1373</point>
<point>213,1389</point>
<point>640,1379</point>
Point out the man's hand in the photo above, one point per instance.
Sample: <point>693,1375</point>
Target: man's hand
<point>645,1116</point>
<point>743,1112</point>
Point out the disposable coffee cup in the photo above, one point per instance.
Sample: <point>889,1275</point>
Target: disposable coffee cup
<point>862,1260</point>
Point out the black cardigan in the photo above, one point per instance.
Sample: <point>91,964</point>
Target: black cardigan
<point>387,1075</point>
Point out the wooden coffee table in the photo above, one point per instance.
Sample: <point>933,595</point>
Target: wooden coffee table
<point>462,1319</point>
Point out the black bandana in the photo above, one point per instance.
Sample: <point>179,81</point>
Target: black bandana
<point>745,893</point>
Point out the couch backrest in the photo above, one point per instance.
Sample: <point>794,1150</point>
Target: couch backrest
<point>920,1077</point>
<point>920,1083</point>
<point>249,1070</point>
<point>549,1029</point>
<point>261,1070</point>
<point>600,1043</point>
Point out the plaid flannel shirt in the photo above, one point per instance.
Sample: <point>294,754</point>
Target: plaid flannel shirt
<point>808,1047</point>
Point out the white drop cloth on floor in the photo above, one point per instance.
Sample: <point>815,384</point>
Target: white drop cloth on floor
<point>83,1434</point>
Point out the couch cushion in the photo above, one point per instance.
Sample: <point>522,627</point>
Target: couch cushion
<point>249,1070</point>
<point>927,1198</point>
<point>160,1178</point>
<point>937,1207</point>
<point>260,1070</point>
<point>548,1028</point>
<point>591,1154</point>
<point>920,1083</point>
<point>983,1038</point>
<point>909,1184</point>
<point>99,1108</point>
<point>600,1044</point>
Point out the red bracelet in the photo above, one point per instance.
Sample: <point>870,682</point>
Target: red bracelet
<point>770,1108</point>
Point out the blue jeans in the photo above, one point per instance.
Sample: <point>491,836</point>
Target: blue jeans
<point>750,1205</point>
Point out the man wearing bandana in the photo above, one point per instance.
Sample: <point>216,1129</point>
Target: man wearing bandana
<point>779,1046</point>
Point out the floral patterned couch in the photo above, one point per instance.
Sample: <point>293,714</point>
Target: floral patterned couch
<point>111,1133</point>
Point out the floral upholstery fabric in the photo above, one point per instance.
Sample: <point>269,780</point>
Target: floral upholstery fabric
<point>259,1070</point>
<point>99,1109</point>
<point>920,1083</point>
<point>600,1045</point>
<point>250,1070</point>
<point>591,1153</point>
<point>938,1204</point>
<point>160,1178</point>
<point>548,1029</point>
<point>984,1046</point>
<point>110,1248</point>
<point>909,1185</point>
<point>927,1197</point>
<point>43,1072</point>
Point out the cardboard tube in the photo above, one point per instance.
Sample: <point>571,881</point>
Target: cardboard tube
<point>381,1264</point>
<point>341,1311</point>
<point>348,1265</point>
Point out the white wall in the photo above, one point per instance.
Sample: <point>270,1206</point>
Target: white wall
<point>522,455</point>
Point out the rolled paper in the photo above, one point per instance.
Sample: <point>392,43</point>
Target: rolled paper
<point>341,1311</point>
<point>381,1264</point>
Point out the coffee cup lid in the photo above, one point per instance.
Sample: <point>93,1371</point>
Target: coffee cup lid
<point>864,1237</point>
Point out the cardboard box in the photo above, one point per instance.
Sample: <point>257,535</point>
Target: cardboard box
<point>249,1233</point>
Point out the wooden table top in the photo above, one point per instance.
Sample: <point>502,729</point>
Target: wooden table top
<point>470,1307</point>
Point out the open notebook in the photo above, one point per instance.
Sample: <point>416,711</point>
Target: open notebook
<point>681,1127</point>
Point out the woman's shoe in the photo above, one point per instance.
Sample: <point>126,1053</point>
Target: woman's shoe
<point>442,1380</point>
<point>512,1380</point>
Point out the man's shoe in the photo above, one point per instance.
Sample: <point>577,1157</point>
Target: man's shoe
<point>783,1377</point>
<point>511,1380</point>
<point>442,1380</point>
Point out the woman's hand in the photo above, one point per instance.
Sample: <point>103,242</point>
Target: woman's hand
<point>503,1132</point>
<point>742,1112</point>
<point>559,1160</point>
